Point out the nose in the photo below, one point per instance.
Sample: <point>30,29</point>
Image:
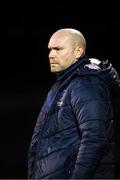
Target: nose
<point>52,53</point>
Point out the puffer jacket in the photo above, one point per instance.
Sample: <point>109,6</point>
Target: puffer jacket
<point>73,137</point>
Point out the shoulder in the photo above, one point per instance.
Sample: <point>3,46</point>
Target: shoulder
<point>88,86</point>
<point>84,81</point>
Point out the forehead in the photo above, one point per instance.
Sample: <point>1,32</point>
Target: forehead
<point>59,39</point>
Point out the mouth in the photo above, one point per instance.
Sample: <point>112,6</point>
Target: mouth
<point>53,64</point>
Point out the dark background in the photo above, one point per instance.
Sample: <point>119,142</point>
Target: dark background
<point>24,70</point>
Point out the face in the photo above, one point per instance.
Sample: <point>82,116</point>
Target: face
<point>62,52</point>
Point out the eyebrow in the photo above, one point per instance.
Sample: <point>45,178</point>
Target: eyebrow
<point>55,47</point>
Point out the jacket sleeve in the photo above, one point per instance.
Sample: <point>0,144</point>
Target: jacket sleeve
<point>90,104</point>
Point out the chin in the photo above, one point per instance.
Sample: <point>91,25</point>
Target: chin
<point>53,71</point>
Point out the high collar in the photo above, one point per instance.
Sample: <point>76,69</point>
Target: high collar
<point>64,74</point>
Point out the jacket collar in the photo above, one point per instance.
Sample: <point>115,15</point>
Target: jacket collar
<point>72,69</point>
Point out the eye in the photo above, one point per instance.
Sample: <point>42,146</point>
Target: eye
<point>58,49</point>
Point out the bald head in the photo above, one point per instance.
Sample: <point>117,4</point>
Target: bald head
<point>74,35</point>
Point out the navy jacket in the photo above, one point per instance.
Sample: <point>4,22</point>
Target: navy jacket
<point>73,137</point>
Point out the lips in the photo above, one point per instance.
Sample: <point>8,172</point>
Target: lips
<point>53,63</point>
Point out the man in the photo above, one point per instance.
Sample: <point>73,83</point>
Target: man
<point>73,137</point>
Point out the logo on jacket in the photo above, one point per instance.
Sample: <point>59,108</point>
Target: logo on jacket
<point>60,102</point>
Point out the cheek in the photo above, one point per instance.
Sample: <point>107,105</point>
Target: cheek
<point>69,58</point>
<point>65,59</point>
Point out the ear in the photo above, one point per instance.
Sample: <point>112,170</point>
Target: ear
<point>79,52</point>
